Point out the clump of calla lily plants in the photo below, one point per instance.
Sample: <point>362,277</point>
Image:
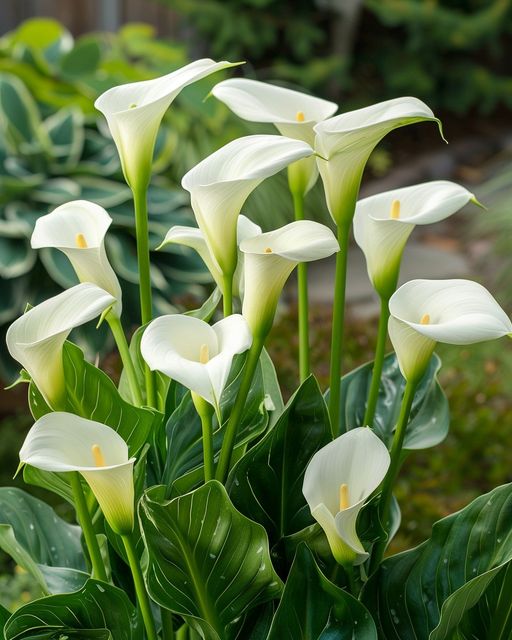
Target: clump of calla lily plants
<point>205,506</point>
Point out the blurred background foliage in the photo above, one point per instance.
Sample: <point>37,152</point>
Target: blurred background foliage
<point>54,147</point>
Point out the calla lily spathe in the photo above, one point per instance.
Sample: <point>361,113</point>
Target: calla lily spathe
<point>78,229</point>
<point>35,339</point>
<point>63,442</point>
<point>338,481</point>
<point>382,224</point>
<point>135,110</point>
<point>194,238</point>
<point>424,312</point>
<point>293,113</point>
<point>269,260</point>
<point>344,143</point>
<point>220,184</point>
<point>195,354</point>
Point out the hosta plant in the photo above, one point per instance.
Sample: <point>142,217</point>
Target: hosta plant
<point>206,507</point>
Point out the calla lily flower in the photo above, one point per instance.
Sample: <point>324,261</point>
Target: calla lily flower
<point>134,112</point>
<point>293,113</point>
<point>78,229</point>
<point>269,260</point>
<point>194,238</point>
<point>424,312</point>
<point>344,143</point>
<point>382,224</point>
<point>36,339</point>
<point>338,481</point>
<point>220,184</point>
<point>62,442</point>
<point>195,354</point>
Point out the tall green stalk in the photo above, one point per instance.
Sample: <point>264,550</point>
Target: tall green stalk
<point>167,624</point>
<point>227,294</point>
<point>146,305</point>
<point>124,351</point>
<point>338,317</point>
<point>378,362</point>
<point>394,467</point>
<point>302,288</point>
<point>231,430</point>
<point>205,412</point>
<point>84,519</point>
<point>140,588</point>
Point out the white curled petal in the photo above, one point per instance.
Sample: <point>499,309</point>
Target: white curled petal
<point>35,339</point>
<point>459,311</point>
<point>413,350</point>
<point>89,222</point>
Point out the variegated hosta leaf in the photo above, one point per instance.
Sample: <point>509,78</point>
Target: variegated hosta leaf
<point>424,593</point>
<point>206,561</point>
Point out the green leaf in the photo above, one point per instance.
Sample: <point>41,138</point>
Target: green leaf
<point>266,484</point>
<point>19,116</point>
<point>106,193</point>
<point>97,610</point>
<point>4,616</point>
<point>66,132</point>
<point>38,540</point>
<point>184,466</point>
<point>206,561</point>
<point>83,59</point>
<point>16,257</point>
<point>312,608</point>
<point>206,311</point>
<point>430,415</point>
<point>56,191</point>
<point>273,395</point>
<point>451,571</point>
<point>90,393</point>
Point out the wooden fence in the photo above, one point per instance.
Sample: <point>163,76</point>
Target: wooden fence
<point>81,16</point>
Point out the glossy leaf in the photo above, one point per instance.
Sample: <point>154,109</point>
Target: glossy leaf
<point>266,484</point>
<point>41,542</point>
<point>436,583</point>
<point>184,467</point>
<point>313,608</point>
<point>4,616</point>
<point>97,610</point>
<point>92,394</point>
<point>206,561</point>
<point>430,416</point>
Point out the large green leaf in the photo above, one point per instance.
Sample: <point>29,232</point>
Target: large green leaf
<point>313,608</point>
<point>266,484</point>
<point>41,542</point>
<point>206,561</point>
<point>184,467</point>
<point>16,257</point>
<point>19,116</point>
<point>4,616</point>
<point>436,583</point>
<point>90,393</point>
<point>97,611</point>
<point>430,416</point>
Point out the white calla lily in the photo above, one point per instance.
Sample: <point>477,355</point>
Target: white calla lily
<point>134,111</point>
<point>35,339</point>
<point>194,238</point>
<point>293,113</point>
<point>424,312</point>
<point>338,481</point>
<point>63,442</point>
<point>383,222</point>
<point>269,260</point>
<point>344,143</point>
<point>220,184</point>
<point>195,354</point>
<point>78,229</point>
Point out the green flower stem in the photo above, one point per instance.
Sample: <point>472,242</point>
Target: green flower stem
<point>167,624</point>
<point>124,351</point>
<point>140,588</point>
<point>205,412</point>
<point>84,519</point>
<point>236,414</point>
<point>394,467</point>
<point>227,294</point>
<point>338,316</point>
<point>182,633</point>
<point>146,305</point>
<point>501,626</point>
<point>302,286</point>
<point>377,363</point>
